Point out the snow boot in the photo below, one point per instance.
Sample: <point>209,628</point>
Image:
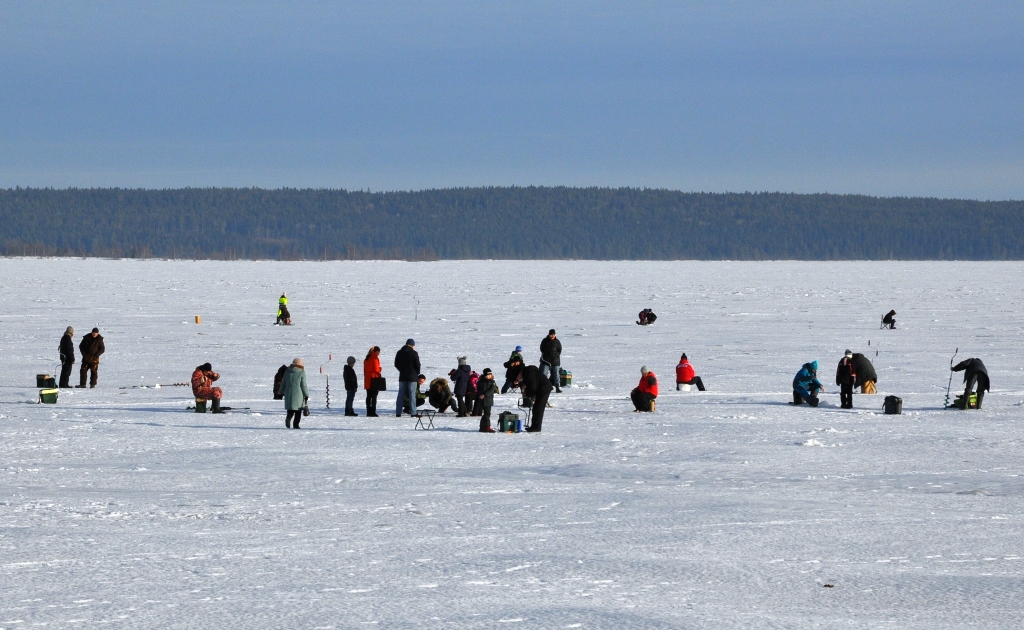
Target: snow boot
<point>813,401</point>
<point>216,406</point>
<point>485,426</point>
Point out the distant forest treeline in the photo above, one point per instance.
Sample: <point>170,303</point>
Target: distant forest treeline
<point>531,222</point>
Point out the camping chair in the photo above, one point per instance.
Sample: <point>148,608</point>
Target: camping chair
<point>427,414</point>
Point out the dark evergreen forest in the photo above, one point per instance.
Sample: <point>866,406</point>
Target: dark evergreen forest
<point>506,223</point>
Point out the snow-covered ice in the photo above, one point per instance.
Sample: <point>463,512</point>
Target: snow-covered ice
<point>121,508</point>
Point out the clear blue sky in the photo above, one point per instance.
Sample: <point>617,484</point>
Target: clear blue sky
<point>883,98</point>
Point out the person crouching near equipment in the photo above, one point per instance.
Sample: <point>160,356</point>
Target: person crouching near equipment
<point>513,367</point>
<point>296,394</point>
<point>846,376</point>
<point>485,396</point>
<point>975,373</point>
<point>536,386</point>
<point>685,375</point>
<point>202,385</point>
<point>806,385</point>
<point>643,395</point>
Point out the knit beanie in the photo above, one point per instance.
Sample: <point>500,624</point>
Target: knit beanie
<point>350,361</point>
<point>462,360</point>
<point>644,370</point>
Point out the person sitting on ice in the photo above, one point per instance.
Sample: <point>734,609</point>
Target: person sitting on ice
<point>202,385</point>
<point>439,395</point>
<point>806,385</point>
<point>685,375</point>
<point>284,318</point>
<point>889,320</point>
<point>646,317</point>
<point>975,373</point>
<point>643,395</point>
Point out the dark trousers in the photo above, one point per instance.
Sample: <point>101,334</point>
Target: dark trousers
<point>89,365</point>
<point>972,380</point>
<point>485,418</point>
<point>350,397</point>
<point>509,384</point>
<point>297,415</point>
<point>464,406</point>
<point>65,374</point>
<point>371,402</point>
<point>810,397</point>
<point>641,400</point>
<point>693,381</point>
<point>846,395</point>
<point>537,415</point>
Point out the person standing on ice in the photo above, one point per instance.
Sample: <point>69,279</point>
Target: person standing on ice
<point>551,358</point>
<point>371,372</point>
<point>67,357</point>
<point>460,380</point>
<point>975,373</point>
<point>284,318</point>
<point>536,387</point>
<point>351,386</point>
<point>92,347</point>
<point>202,385</point>
<point>485,395</point>
<point>685,375</point>
<point>866,376</point>
<point>643,395</point>
<point>806,385</point>
<point>407,362</point>
<point>846,376</point>
<point>513,367</point>
<point>296,393</point>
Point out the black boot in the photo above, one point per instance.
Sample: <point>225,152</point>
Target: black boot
<point>797,399</point>
<point>216,406</point>
<point>485,426</point>
<point>288,421</point>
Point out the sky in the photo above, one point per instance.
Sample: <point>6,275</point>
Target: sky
<point>879,98</point>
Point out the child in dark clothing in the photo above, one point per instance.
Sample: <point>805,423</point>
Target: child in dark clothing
<point>485,388</point>
<point>351,386</point>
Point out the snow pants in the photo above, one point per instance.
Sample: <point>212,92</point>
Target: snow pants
<point>641,400</point>
<point>867,387</point>
<point>693,381</point>
<point>90,368</point>
<point>65,374</point>
<point>971,382</point>
<point>537,415</point>
<point>208,393</point>
<point>846,395</point>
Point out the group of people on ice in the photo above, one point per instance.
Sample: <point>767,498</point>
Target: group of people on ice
<point>91,347</point>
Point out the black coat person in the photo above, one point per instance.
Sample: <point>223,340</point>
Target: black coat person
<point>974,374</point>
<point>551,357</point>
<point>536,387</point>
<point>279,382</point>
<point>460,381</point>
<point>866,376</point>
<point>91,347</point>
<point>351,385</point>
<point>846,377</point>
<point>889,320</point>
<point>67,357</point>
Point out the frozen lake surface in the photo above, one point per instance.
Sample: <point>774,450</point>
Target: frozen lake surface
<point>727,508</point>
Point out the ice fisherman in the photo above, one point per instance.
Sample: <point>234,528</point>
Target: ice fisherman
<point>536,388</point>
<point>975,373</point>
<point>685,375</point>
<point>407,362</point>
<point>202,385</point>
<point>284,318</point>
<point>866,376</point>
<point>513,367</point>
<point>551,358</point>
<point>889,320</point>
<point>92,347</point>
<point>67,357</point>
<point>646,391</point>
<point>806,385</point>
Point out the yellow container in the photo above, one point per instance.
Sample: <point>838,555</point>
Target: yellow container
<point>48,396</point>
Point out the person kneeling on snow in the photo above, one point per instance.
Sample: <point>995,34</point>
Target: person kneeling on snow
<point>975,373</point>
<point>202,385</point>
<point>685,375</point>
<point>643,395</point>
<point>806,385</point>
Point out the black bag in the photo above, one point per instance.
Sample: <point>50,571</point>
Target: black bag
<point>379,383</point>
<point>305,410</point>
<point>893,405</point>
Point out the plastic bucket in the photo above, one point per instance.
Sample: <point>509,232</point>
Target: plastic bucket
<point>48,396</point>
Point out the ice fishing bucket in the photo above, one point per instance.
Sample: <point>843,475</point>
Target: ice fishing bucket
<point>45,380</point>
<point>893,405</point>
<point>509,422</point>
<point>200,405</point>
<point>48,396</point>
<point>565,378</point>
<point>972,402</point>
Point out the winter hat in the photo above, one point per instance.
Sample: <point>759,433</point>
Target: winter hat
<point>814,365</point>
<point>683,358</point>
<point>95,330</point>
<point>350,361</point>
<point>421,377</point>
<point>462,360</point>
<point>487,371</point>
<point>519,348</point>
<point>644,370</point>
<point>206,367</point>
<point>410,342</point>
<point>551,332</point>
<point>70,331</point>
<point>848,353</point>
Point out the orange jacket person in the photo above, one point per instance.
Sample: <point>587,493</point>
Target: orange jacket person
<point>645,393</point>
<point>371,371</point>
<point>202,385</point>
